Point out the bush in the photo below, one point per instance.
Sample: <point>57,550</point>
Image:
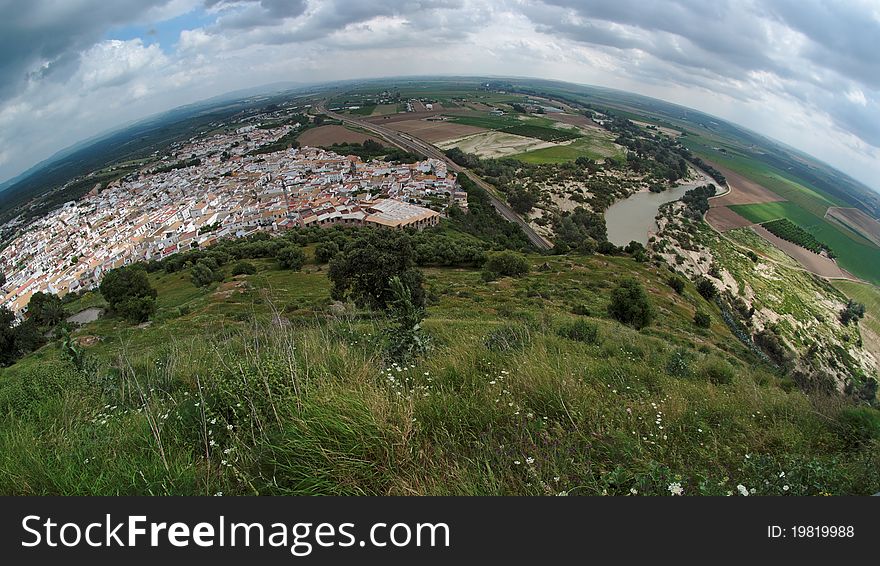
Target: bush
<point>505,264</point>
<point>203,274</point>
<point>706,288</point>
<point>582,310</point>
<point>702,319</point>
<point>326,251</point>
<point>581,331</point>
<point>291,257</point>
<point>677,284</point>
<point>137,309</point>
<point>858,426</point>
<point>128,292</point>
<point>508,338</point>
<point>717,371</point>
<point>243,268</point>
<point>630,304</point>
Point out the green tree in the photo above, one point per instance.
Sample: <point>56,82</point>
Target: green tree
<point>326,251</point>
<point>291,257</point>
<point>630,304</point>
<point>243,268</point>
<point>706,288</point>
<point>45,309</point>
<point>702,319</point>
<point>203,274</point>
<point>364,269</point>
<point>128,292</point>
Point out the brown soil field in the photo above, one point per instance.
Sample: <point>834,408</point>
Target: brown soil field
<point>478,106</point>
<point>401,116</point>
<point>723,219</point>
<point>328,135</point>
<point>574,119</point>
<point>857,221</point>
<point>435,131</point>
<point>815,263</point>
<point>743,191</point>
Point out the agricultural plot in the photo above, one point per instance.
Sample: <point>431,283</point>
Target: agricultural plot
<point>435,130</point>
<point>854,253</point>
<point>496,144</point>
<point>542,133</point>
<point>857,221</point>
<point>791,232</point>
<point>723,219</point>
<point>593,147</point>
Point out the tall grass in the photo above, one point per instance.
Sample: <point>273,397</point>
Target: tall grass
<point>313,408</point>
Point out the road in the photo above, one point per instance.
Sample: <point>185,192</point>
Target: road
<point>415,145</point>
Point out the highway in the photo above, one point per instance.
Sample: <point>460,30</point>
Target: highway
<point>417,146</point>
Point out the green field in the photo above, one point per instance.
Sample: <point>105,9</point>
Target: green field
<point>854,253</point>
<point>593,147</point>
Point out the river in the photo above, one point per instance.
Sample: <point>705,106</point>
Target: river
<point>634,218</point>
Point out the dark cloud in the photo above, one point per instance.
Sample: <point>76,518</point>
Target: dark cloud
<point>42,40</point>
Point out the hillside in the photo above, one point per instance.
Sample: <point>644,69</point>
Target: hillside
<point>261,384</point>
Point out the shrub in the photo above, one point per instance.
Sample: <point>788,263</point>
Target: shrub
<point>203,274</point>
<point>858,426</point>
<point>706,288</point>
<point>852,311</point>
<point>702,319</point>
<point>580,331</point>
<point>508,338</point>
<point>243,268</point>
<point>630,304</point>
<point>717,371</point>
<point>326,251</point>
<point>128,292</point>
<point>505,264</point>
<point>582,310</point>
<point>677,284</point>
<point>291,257</point>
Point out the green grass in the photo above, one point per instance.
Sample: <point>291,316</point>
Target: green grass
<point>854,253</point>
<point>542,133</point>
<point>364,110</point>
<point>488,122</point>
<point>315,409</point>
<point>588,146</point>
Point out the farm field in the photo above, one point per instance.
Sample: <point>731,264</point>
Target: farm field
<point>595,147</point>
<point>854,253</point>
<point>723,219</point>
<point>496,144</point>
<point>857,221</point>
<point>743,190</point>
<point>811,261</point>
<point>328,135</point>
<point>385,109</point>
<point>435,131</point>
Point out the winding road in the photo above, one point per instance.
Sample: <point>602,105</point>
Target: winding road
<point>415,145</point>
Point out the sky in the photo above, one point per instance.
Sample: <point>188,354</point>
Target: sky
<point>805,72</point>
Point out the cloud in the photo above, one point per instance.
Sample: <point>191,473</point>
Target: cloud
<point>785,68</point>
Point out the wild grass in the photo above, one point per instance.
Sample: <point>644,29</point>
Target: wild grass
<point>516,396</point>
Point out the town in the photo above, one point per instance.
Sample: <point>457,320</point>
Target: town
<point>213,188</point>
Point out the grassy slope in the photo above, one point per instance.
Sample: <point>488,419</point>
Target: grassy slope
<point>314,408</point>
